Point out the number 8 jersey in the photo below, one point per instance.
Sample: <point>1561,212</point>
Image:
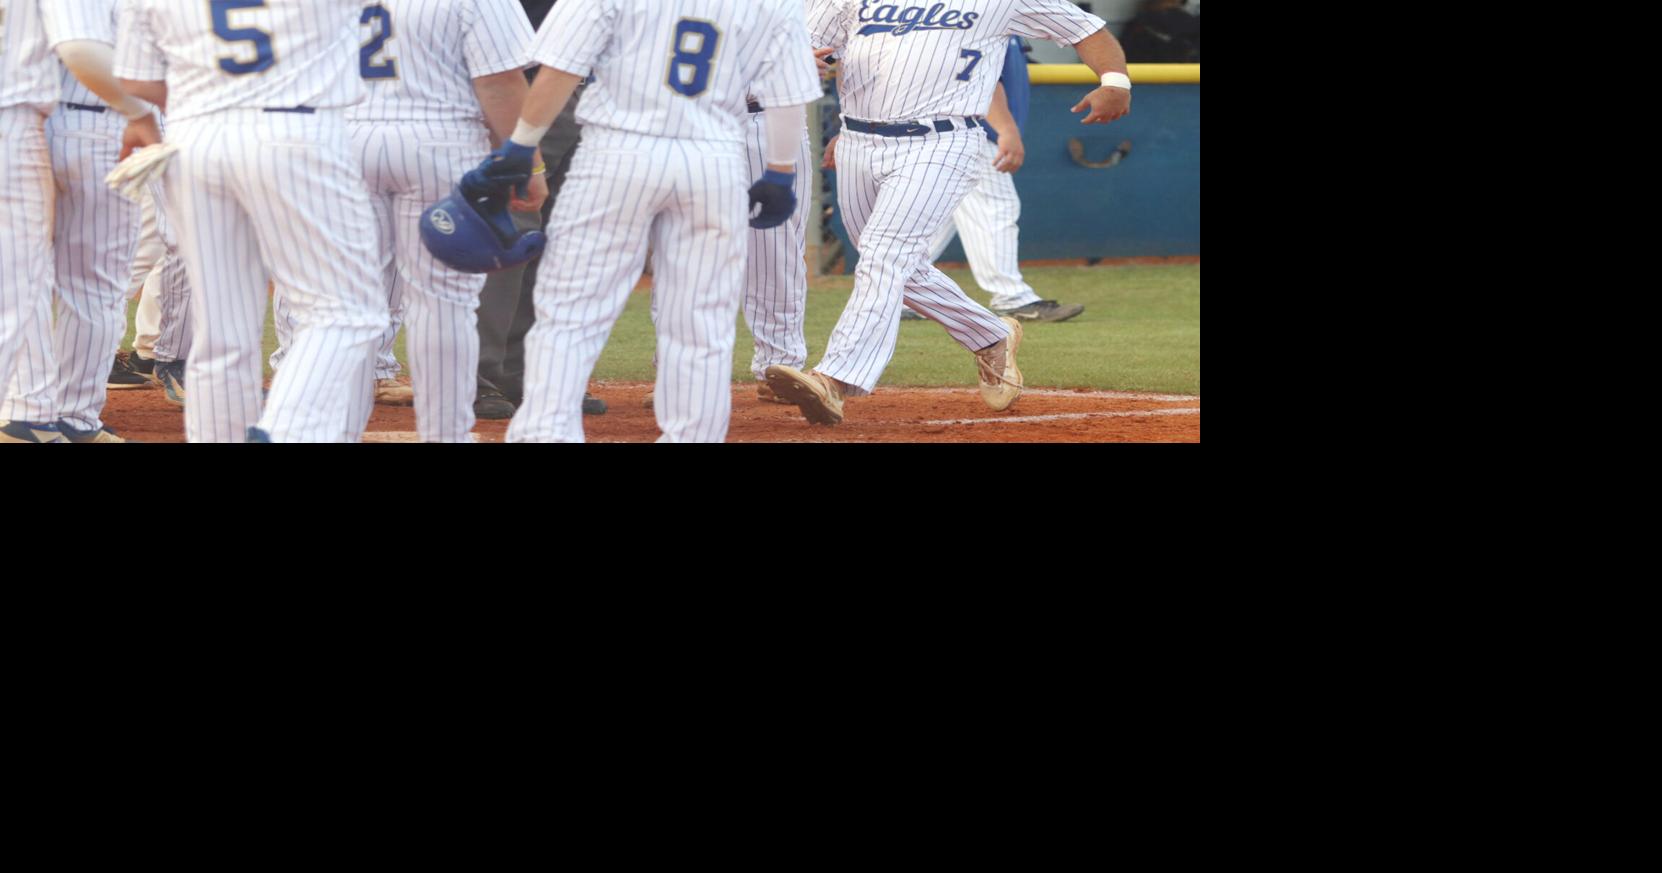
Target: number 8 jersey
<point>243,54</point>
<point>681,69</point>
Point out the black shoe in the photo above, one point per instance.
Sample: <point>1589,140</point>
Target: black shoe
<point>907,314</point>
<point>492,406</point>
<point>1044,310</point>
<point>125,373</point>
<point>141,365</point>
<point>593,405</point>
<point>255,435</point>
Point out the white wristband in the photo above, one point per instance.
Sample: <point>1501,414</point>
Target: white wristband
<point>528,136</point>
<point>1116,80</point>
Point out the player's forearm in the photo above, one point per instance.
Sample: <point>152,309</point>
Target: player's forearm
<point>1102,52</point>
<point>93,63</point>
<point>501,97</point>
<point>999,116</point>
<point>155,92</point>
<point>549,95</point>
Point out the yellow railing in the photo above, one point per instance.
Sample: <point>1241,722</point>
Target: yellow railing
<point>1141,74</point>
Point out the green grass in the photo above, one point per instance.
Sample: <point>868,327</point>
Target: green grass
<point>1140,332</point>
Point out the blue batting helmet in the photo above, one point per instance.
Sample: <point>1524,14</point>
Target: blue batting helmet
<point>477,235</point>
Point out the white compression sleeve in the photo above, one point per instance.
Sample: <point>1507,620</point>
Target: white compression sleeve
<point>94,64</point>
<point>785,128</point>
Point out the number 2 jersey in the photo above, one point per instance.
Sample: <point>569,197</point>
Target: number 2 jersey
<point>243,54</point>
<point>420,57</point>
<point>681,69</point>
<point>905,60</point>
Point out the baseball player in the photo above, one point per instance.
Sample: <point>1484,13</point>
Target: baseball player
<point>265,186</point>
<point>913,80</point>
<point>988,218</point>
<point>29,86</point>
<point>662,164</point>
<point>776,270</point>
<point>445,86</point>
<point>63,376</point>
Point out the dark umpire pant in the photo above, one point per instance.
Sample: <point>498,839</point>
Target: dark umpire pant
<point>506,308</point>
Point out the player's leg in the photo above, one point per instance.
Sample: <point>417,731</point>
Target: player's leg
<point>26,266</point>
<point>31,395</point>
<point>161,325</point>
<point>304,192</point>
<point>221,254</point>
<point>989,220</point>
<point>597,247</point>
<point>383,156</point>
<point>97,231</point>
<point>698,251</point>
<point>918,182</point>
<point>441,332</point>
<point>776,274</point>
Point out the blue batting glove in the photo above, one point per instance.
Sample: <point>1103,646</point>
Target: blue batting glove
<point>507,167</point>
<point>772,199</point>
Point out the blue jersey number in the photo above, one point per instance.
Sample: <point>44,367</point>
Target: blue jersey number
<point>263,57</point>
<point>974,59</point>
<point>381,19</point>
<point>695,52</point>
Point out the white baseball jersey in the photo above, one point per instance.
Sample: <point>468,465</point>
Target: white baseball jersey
<point>89,20</point>
<point>420,57</point>
<point>243,54</point>
<point>720,52</point>
<point>903,61</point>
<point>28,72</point>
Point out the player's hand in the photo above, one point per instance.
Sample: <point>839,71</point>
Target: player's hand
<point>1012,153</point>
<point>539,196</point>
<point>509,167</point>
<point>1105,104</point>
<point>772,199</point>
<point>826,71</point>
<point>830,162</point>
<point>144,132</point>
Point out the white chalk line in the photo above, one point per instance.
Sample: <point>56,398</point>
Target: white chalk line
<point>1062,416</point>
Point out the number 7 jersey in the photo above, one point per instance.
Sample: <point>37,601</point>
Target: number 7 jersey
<point>243,54</point>
<point>905,60</point>
<point>681,69</point>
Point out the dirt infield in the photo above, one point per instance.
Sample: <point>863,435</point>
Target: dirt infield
<point>892,415</point>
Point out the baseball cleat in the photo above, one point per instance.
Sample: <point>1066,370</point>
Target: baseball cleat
<point>819,396</point>
<point>141,365</point>
<point>171,376</point>
<point>391,392</point>
<point>125,373</point>
<point>492,405</point>
<point>593,405</point>
<point>76,435</point>
<point>996,369</point>
<point>255,435</point>
<point>1043,310</point>
<point>30,432</point>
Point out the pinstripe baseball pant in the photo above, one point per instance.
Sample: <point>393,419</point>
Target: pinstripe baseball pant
<point>895,194</point>
<point>64,372</point>
<point>26,264</point>
<point>989,222</point>
<point>279,196</point>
